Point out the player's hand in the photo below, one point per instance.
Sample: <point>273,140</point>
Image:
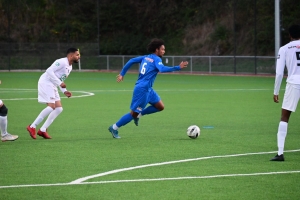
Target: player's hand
<point>276,99</point>
<point>183,64</point>
<point>68,94</point>
<point>119,78</point>
<point>63,85</point>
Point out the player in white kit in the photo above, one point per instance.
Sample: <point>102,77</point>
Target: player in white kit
<point>289,56</point>
<point>48,83</point>
<point>5,136</point>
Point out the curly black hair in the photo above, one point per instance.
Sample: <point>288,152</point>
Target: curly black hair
<point>155,44</point>
<point>71,50</point>
<point>294,31</point>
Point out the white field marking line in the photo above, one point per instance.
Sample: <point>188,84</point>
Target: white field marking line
<point>188,90</point>
<point>85,94</point>
<point>164,90</point>
<point>9,89</point>
<point>80,180</point>
<point>152,179</point>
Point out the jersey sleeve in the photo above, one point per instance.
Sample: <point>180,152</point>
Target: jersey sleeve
<point>130,63</point>
<point>50,72</point>
<point>280,64</point>
<point>163,69</point>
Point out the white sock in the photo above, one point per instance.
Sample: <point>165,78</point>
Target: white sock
<point>51,118</point>
<point>140,115</point>
<point>282,131</point>
<point>115,127</point>
<point>3,125</point>
<point>41,116</point>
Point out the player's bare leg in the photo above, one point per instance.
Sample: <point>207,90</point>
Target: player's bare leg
<point>5,136</point>
<point>160,106</point>
<point>157,107</point>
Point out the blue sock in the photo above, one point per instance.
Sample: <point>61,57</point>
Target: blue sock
<point>124,120</point>
<point>149,110</point>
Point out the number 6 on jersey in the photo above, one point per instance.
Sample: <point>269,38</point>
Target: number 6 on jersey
<point>143,70</point>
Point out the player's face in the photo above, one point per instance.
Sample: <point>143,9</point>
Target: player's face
<point>76,57</point>
<point>161,51</point>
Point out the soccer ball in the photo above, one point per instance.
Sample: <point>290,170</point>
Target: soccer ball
<point>193,131</point>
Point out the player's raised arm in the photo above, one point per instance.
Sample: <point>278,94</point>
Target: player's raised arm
<point>130,63</point>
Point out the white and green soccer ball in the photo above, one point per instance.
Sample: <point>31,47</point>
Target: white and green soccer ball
<point>193,131</point>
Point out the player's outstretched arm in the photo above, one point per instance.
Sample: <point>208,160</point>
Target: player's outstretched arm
<point>183,64</point>
<point>130,63</point>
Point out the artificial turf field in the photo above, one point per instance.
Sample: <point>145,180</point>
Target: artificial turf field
<point>156,160</point>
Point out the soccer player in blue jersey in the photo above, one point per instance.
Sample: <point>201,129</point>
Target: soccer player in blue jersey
<point>143,92</point>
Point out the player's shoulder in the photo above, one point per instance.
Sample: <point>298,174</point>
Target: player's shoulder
<point>291,45</point>
<point>155,57</point>
<point>149,58</point>
<point>61,61</point>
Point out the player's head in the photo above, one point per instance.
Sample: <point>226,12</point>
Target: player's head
<point>73,54</point>
<point>157,46</point>
<point>294,31</point>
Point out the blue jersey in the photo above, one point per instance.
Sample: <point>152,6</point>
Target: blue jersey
<point>150,65</point>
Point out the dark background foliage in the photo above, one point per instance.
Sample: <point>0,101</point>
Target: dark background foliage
<point>190,27</point>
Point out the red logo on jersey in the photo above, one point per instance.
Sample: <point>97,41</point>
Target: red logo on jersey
<point>149,59</point>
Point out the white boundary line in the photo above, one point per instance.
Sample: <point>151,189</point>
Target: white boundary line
<point>85,94</point>
<point>159,90</point>
<point>153,179</point>
<point>80,181</point>
<point>189,90</point>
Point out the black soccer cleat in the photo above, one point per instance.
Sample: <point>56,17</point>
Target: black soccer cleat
<point>278,158</point>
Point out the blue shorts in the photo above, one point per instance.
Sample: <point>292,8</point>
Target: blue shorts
<point>142,97</point>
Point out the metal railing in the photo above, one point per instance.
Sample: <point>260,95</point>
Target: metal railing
<point>197,64</point>
<point>201,64</point>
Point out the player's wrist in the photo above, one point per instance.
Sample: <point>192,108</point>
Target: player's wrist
<point>63,90</point>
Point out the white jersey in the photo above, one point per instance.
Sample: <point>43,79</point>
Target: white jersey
<point>289,56</point>
<point>57,72</point>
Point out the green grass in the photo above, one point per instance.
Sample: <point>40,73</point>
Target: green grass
<point>240,109</point>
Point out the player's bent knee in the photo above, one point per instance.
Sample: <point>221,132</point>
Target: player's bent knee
<point>59,109</point>
<point>3,111</point>
<point>160,107</point>
<point>134,114</point>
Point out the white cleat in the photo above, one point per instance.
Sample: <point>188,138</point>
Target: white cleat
<point>9,137</point>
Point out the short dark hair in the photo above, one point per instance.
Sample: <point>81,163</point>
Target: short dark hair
<point>71,50</point>
<point>155,44</point>
<point>294,31</point>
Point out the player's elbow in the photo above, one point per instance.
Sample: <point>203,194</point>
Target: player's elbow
<point>279,75</point>
<point>161,70</point>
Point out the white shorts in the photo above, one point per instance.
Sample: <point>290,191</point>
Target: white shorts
<point>291,97</point>
<point>47,93</point>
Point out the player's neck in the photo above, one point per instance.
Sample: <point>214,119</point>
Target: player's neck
<point>70,61</point>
